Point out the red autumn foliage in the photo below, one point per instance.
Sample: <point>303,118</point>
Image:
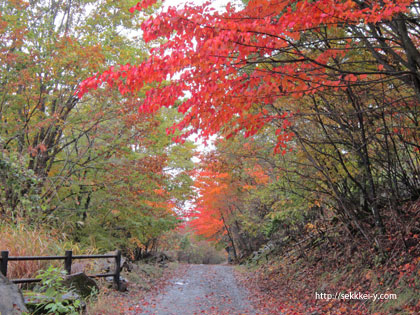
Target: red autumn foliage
<point>237,62</point>
<point>210,207</point>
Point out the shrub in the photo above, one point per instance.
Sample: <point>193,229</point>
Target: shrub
<point>53,296</point>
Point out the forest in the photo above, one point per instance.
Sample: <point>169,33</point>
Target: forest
<point>285,133</point>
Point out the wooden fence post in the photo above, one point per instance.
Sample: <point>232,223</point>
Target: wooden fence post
<point>117,270</point>
<point>4,260</point>
<point>67,261</point>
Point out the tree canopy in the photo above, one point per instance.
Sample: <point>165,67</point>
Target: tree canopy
<point>336,82</point>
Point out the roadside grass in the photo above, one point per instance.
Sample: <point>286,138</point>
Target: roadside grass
<point>21,240</point>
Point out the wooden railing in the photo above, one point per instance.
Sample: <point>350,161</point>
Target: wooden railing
<point>68,259</point>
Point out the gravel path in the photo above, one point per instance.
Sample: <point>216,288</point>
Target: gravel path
<point>203,289</point>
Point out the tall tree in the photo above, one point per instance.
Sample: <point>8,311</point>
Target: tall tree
<point>348,68</point>
<point>68,161</point>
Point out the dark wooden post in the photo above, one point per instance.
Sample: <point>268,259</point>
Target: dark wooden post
<point>67,261</point>
<point>4,260</point>
<point>117,270</point>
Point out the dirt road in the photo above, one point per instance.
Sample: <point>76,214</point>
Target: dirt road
<point>203,289</point>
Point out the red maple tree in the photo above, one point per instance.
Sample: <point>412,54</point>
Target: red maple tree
<point>236,64</point>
